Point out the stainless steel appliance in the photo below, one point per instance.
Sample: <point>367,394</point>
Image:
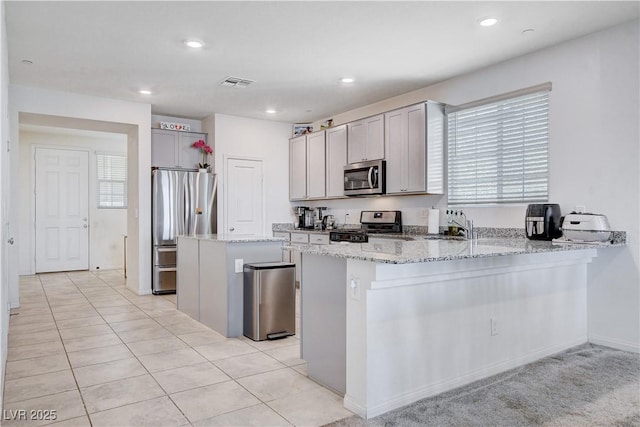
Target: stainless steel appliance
<point>542,221</point>
<point>381,221</point>
<point>269,300</point>
<point>586,227</point>
<point>364,178</point>
<point>352,235</point>
<point>182,202</point>
<point>309,219</point>
<point>300,215</point>
<point>329,222</point>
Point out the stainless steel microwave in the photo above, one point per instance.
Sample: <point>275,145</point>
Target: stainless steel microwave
<point>364,178</point>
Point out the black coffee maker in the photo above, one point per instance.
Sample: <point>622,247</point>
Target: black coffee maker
<point>542,221</point>
<point>300,216</point>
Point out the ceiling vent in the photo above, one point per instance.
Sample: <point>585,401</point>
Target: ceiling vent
<point>236,82</point>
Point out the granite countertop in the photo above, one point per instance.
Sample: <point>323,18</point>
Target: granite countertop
<point>227,238</point>
<point>397,251</point>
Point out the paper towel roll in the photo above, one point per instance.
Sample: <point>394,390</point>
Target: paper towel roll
<point>433,226</point>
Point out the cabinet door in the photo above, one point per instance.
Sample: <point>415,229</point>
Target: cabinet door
<point>188,156</point>
<point>435,148</point>
<point>374,140</point>
<point>298,168</point>
<point>336,160</point>
<point>356,141</point>
<point>164,148</point>
<point>316,168</point>
<point>416,149</point>
<point>396,148</point>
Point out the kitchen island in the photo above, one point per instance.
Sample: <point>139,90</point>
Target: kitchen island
<point>392,321</point>
<point>210,276</point>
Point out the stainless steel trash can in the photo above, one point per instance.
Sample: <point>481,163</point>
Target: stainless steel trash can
<point>269,300</point>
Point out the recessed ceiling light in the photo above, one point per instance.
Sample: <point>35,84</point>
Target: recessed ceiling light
<point>270,111</point>
<point>196,44</point>
<point>347,80</point>
<point>488,22</point>
<point>144,92</point>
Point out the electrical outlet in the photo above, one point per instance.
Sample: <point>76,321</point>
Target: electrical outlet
<point>354,288</point>
<point>239,265</point>
<point>494,326</point>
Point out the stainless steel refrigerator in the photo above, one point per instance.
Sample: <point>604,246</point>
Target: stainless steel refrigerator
<point>183,202</point>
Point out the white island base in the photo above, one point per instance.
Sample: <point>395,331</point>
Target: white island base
<point>418,329</point>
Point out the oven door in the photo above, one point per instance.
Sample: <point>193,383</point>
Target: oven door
<point>364,178</point>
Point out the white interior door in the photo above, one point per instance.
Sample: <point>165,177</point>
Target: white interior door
<point>62,210</point>
<point>244,201</point>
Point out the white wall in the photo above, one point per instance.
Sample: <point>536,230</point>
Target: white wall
<point>256,139</point>
<point>4,197</point>
<point>594,157</point>
<point>106,226</point>
<point>131,118</point>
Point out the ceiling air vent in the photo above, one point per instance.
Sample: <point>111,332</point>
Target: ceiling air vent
<point>236,82</point>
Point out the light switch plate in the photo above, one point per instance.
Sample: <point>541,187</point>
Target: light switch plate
<point>239,265</point>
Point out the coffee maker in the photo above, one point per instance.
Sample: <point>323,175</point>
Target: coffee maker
<point>301,216</point>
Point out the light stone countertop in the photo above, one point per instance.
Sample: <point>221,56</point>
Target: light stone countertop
<point>397,251</point>
<point>227,238</point>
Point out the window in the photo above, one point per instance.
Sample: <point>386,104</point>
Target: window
<point>498,150</point>
<point>112,180</point>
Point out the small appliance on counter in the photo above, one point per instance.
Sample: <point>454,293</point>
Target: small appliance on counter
<point>319,222</point>
<point>542,221</point>
<point>329,222</point>
<point>586,227</point>
<point>301,216</point>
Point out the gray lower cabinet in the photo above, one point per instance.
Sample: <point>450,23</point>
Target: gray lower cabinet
<point>324,320</point>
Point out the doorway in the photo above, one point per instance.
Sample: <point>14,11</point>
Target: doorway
<point>61,210</point>
<point>244,204</point>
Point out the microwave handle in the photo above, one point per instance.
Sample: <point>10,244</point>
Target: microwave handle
<point>370,177</point>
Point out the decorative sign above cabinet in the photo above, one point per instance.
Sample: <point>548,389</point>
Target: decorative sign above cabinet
<point>175,126</point>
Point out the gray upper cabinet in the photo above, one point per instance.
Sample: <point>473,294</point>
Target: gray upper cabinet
<point>414,149</point>
<point>366,139</point>
<point>307,162</point>
<point>336,160</point>
<point>298,168</point>
<point>316,163</point>
<point>172,149</point>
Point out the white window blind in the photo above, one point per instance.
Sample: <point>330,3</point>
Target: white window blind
<point>499,152</point>
<point>112,180</point>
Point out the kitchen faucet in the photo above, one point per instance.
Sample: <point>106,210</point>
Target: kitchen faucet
<point>463,226</point>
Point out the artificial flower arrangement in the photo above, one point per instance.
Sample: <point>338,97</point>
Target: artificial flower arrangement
<point>206,151</point>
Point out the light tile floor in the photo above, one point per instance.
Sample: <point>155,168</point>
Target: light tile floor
<point>83,345</point>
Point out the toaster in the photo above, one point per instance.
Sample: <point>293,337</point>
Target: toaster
<point>542,221</point>
<point>586,227</point>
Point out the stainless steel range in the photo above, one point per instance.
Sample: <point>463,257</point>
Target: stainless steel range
<point>371,222</point>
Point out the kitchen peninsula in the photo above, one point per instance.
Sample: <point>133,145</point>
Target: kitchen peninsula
<point>209,282</point>
<point>392,321</point>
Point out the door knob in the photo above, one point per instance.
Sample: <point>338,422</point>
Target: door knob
<point>10,241</point>
<point>85,226</point>
<point>231,229</point>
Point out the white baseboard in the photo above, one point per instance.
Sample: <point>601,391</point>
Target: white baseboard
<point>633,347</point>
<point>437,388</point>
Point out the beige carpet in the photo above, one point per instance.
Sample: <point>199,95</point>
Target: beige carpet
<point>587,385</point>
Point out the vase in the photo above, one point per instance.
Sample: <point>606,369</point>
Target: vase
<point>203,170</point>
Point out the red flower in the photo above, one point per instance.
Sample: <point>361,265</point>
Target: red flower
<point>199,144</point>
<point>208,149</point>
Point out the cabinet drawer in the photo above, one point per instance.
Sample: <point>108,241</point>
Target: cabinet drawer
<point>319,239</point>
<point>300,237</point>
<point>287,236</point>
